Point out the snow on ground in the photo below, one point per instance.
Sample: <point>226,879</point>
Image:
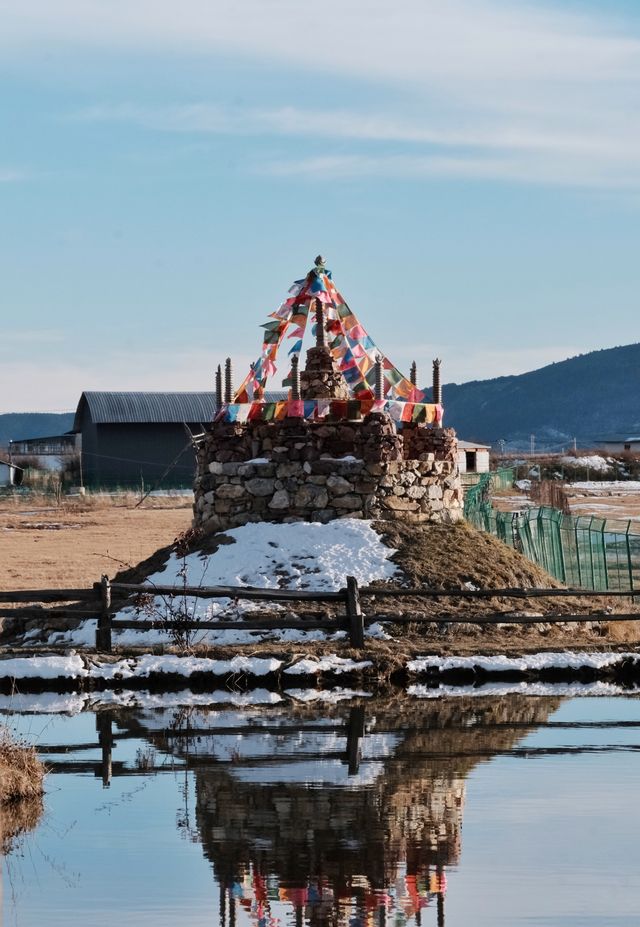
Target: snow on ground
<point>607,487</point>
<point>592,461</point>
<point>303,555</point>
<point>328,664</point>
<point>72,666</point>
<point>533,662</point>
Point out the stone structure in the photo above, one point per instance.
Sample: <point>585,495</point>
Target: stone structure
<point>297,470</point>
<point>301,470</point>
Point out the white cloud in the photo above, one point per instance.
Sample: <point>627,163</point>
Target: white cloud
<point>8,175</point>
<point>502,88</point>
<point>52,383</point>
<point>480,363</point>
<point>9,338</point>
<point>48,382</point>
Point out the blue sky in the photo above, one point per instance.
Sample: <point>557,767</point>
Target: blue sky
<point>471,170</point>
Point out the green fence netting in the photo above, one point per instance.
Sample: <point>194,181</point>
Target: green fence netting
<point>580,550</point>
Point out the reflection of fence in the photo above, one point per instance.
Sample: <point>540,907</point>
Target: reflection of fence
<point>583,551</point>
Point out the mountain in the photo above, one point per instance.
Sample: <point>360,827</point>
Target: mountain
<point>17,425</point>
<point>588,397</point>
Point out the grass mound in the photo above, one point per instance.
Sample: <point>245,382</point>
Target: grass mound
<point>21,772</point>
<point>21,787</point>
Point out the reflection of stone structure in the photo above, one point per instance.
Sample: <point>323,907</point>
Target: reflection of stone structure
<point>283,822</point>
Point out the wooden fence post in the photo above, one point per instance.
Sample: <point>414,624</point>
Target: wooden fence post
<point>354,613</point>
<point>103,631</point>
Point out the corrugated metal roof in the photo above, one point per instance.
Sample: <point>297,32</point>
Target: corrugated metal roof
<point>132,407</point>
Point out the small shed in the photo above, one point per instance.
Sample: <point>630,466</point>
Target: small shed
<point>10,474</point>
<point>473,457</point>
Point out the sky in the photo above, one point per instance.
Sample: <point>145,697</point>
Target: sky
<point>470,171</point>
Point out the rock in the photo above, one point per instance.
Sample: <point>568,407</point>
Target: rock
<point>280,500</point>
<point>400,504</point>
<point>260,486</point>
<point>310,496</point>
<point>288,469</point>
<point>230,491</point>
<point>350,501</point>
<point>338,486</point>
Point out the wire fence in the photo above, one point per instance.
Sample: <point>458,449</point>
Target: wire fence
<point>582,551</point>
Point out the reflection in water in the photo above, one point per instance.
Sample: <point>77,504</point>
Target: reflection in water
<point>351,817</point>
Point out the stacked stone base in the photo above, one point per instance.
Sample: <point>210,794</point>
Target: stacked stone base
<point>302,471</point>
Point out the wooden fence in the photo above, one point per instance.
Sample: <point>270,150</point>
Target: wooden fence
<point>98,603</point>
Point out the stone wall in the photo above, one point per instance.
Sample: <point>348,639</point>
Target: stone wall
<point>297,470</point>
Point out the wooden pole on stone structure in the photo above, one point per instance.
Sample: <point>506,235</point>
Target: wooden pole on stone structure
<point>413,375</point>
<point>437,389</point>
<point>320,340</point>
<point>218,386</point>
<point>379,381</point>
<point>295,378</point>
<point>228,381</point>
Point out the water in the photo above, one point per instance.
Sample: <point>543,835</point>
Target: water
<point>496,811</point>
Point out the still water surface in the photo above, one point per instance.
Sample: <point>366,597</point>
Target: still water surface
<point>504,811</point>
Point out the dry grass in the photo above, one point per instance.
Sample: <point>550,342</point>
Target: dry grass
<point>43,545</point>
<point>21,787</point>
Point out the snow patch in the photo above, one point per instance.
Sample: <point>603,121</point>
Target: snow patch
<point>534,662</point>
<point>331,663</point>
<point>592,461</point>
<point>303,555</point>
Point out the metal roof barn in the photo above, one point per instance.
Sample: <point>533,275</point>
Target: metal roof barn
<point>134,437</point>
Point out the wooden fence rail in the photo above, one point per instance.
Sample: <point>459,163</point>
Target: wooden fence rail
<point>16,604</point>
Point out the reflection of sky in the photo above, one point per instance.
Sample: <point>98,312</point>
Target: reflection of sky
<point>546,841</point>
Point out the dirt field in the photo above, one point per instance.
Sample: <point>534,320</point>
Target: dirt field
<point>43,545</point>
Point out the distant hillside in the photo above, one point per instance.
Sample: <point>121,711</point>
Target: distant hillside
<point>17,425</point>
<point>588,397</point>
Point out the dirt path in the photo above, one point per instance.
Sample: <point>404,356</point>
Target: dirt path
<point>47,546</point>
